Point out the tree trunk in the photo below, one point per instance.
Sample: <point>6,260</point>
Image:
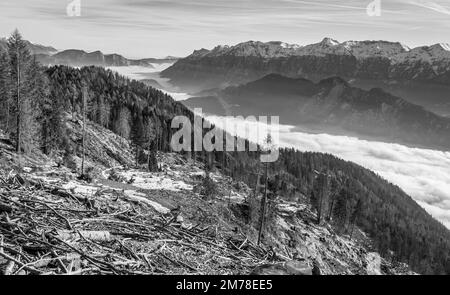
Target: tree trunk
<point>148,156</point>
<point>319,209</point>
<point>263,206</point>
<point>136,156</point>
<point>8,106</point>
<point>18,105</point>
<point>330,212</point>
<point>84,129</point>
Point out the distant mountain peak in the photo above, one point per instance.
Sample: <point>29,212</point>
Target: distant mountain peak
<point>34,47</point>
<point>443,46</point>
<point>329,42</point>
<point>274,49</point>
<point>200,52</point>
<point>170,57</point>
<point>369,59</point>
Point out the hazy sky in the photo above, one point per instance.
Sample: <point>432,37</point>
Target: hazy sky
<point>146,28</point>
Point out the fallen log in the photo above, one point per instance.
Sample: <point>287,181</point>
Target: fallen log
<point>99,236</point>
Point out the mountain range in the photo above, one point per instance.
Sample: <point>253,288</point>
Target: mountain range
<point>332,106</point>
<point>34,48</point>
<point>420,75</point>
<point>49,56</point>
<point>76,57</point>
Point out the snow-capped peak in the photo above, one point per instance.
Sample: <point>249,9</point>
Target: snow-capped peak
<point>405,47</point>
<point>329,42</point>
<point>444,46</point>
<point>283,45</point>
<point>395,51</point>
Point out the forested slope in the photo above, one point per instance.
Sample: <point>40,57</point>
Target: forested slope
<point>395,222</point>
<point>35,102</point>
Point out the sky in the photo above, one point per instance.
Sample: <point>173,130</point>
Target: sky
<point>147,28</point>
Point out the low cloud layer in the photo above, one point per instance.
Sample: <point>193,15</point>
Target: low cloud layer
<point>423,174</point>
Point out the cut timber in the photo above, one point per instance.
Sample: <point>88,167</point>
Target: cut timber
<point>99,236</point>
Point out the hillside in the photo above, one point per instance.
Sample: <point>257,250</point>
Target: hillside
<point>127,106</point>
<point>332,106</point>
<point>420,75</point>
<point>158,222</point>
<point>399,229</point>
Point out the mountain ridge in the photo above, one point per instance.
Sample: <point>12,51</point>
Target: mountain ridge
<point>77,57</point>
<point>34,47</point>
<point>328,45</point>
<point>48,56</point>
<point>421,75</point>
<point>332,105</point>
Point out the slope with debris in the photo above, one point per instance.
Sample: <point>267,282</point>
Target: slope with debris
<point>129,221</point>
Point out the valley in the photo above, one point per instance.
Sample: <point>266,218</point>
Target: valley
<point>421,73</point>
<point>422,172</point>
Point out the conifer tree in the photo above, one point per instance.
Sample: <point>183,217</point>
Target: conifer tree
<point>24,92</point>
<point>51,120</point>
<point>5,101</point>
<point>137,135</point>
<point>122,122</point>
<point>320,196</point>
<point>357,210</point>
<point>341,210</point>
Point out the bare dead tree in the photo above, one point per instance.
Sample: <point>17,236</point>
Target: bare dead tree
<point>18,102</point>
<point>268,142</point>
<point>84,128</point>
<point>263,205</point>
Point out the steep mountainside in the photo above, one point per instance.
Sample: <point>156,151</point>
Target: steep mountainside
<point>333,106</point>
<point>161,222</point>
<point>390,217</point>
<point>399,229</point>
<point>421,75</point>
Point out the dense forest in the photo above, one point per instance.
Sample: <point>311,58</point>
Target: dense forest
<point>35,102</point>
<point>346,194</point>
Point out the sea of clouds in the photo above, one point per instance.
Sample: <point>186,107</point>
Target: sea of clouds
<point>141,73</point>
<point>424,174</point>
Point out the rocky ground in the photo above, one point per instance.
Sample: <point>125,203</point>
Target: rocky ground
<point>129,221</point>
